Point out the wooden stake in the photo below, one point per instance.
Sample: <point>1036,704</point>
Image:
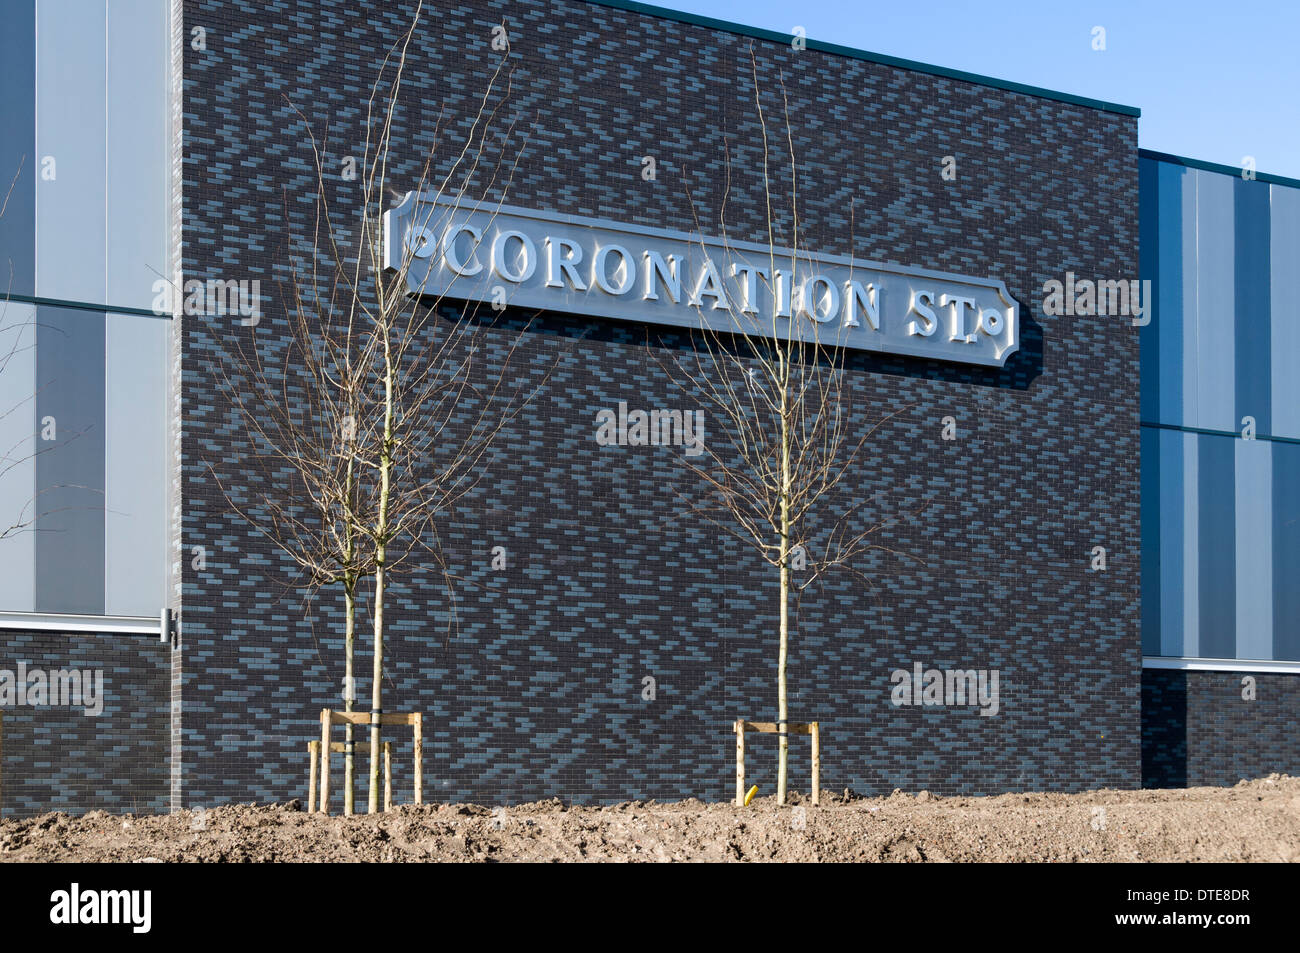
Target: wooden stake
<point>740,763</point>
<point>325,761</point>
<point>816,762</point>
<point>313,751</point>
<point>813,729</point>
<point>324,747</point>
<point>388,775</point>
<point>417,727</point>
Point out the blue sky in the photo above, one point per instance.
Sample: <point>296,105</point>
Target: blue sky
<point>1215,81</point>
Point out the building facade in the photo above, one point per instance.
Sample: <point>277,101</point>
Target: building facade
<point>1024,538</point>
<point>1220,463</point>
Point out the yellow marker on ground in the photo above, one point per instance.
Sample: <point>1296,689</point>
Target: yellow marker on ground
<point>749,796</point>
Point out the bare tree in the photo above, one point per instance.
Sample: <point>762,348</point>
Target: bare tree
<point>442,386</point>
<point>405,392</point>
<point>301,414</point>
<point>780,480</point>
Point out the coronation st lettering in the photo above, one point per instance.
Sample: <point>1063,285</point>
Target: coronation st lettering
<point>614,270</point>
<point>588,266</point>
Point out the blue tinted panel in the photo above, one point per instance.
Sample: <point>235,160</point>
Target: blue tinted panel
<point>1216,531</point>
<point>1174,569</point>
<point>18,148</point>
<point>1149,258</point>
<point>1254,368</point>
<point>1175,292</point>
<point>1286,551</point>
<point>1221,522</point>
<point>1190,585</point>
<point>1151,553</point>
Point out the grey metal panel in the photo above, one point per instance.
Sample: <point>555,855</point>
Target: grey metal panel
<point>1284,303</point>
<point>17,443</point>
<point>1215,338</point>
<point>69,555</point>
<point>137,150</point>
<point>135,464</point>
<point>1254,547</point>
<point>70,134</point>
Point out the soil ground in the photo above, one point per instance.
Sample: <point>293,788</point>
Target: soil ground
<point>1254,821</point>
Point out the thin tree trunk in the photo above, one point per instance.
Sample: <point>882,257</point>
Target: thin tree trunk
<point>349,639</point>
<point>376,692</point>
<point>381,552</point>
<point>783,737</point>
<point>349,633</point>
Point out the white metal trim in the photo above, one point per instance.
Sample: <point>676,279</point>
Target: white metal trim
<point>67,622</point>
<point>1220,664</point>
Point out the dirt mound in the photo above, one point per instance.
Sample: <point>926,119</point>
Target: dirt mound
<point>1253,821</point>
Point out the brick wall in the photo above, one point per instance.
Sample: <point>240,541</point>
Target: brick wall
<point>1197,729</point>
<point>62,759</point>
<point>538,692</point>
